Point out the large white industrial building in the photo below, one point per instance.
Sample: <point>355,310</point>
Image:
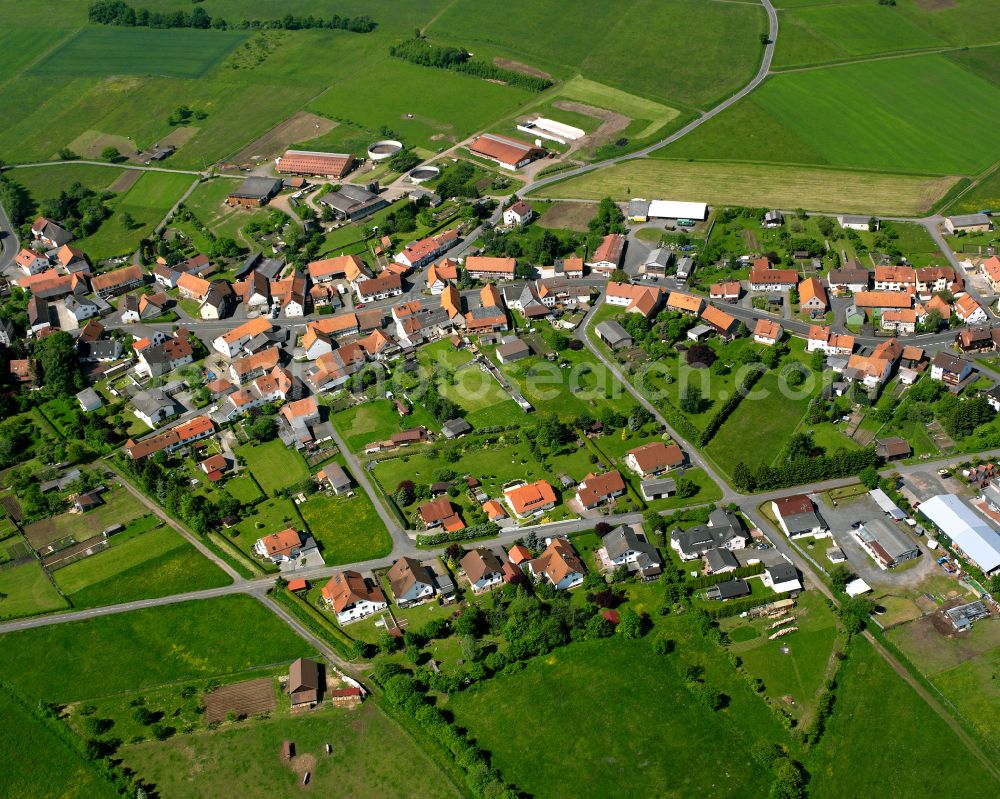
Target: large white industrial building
<point>968,531</point>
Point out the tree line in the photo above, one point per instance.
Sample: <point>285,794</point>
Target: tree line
<point>426,54</point>
<point>120,13</point>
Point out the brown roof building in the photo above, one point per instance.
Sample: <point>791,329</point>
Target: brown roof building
<point>304,682</point>
<point>310,162</point>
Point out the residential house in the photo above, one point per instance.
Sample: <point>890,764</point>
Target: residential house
<point>335,478</point>
<point>764,278</point>
<point>722,323</point>
<point>850,278</point>
<point>679,302</point>
<point>720,561</point>
<point>234,341</point>
<point>483,569</point>
<point>657,263</point>
<point>875,369</point>
<point>340,269</point>
<point>80,309</point>
<point>51,235</point>
<point>441,274</point>
<point>723,530</point>
<point>489,268</point>
<point>823,338</point>
<point>418,254</point>
<point>214,467</point>
<point>530,499</point>
<point>157,359</point>
<point>608,255</point>
<point>645,300</point>
<point>385,285</point>
<point>798,517</point>
<point>570,268</point>
<point>352,597</point>
<point>730,589</point>
<point>111,284</point>
<point>31,262</point>
<point>192,287</point>
<point>154,406</point>
<point>782,578</point>
<point>289,294</point>
<point>970,311</point>
<point>728,291</point>
<point>219,301</point>
<point>560,564</point>
<point>895,278</point>
<point>281,547</point>
<point>767,332</point>
<point>902,321</point>
<point>411,582</point>
<point>812,297</point>
<point>950,369</point>
<point>623,546</point>
<point>243,370</point>
<point>439,512</point>
<point>654,458</point>
<point>171,440</point>
<point>975,339</point>
<point>991,271</point>
<point>519,213</point>
<point>931,279</point>
<point>598,489</point>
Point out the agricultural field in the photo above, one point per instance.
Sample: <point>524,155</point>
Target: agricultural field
<point>877,115</point>
<point>246,758</point>
<point>145,648</point>
<point>348,529</point>
<point>854,755</point>
<point>759,185</point>
<point>26,591</point>
<point>177,53</point>
<point>150,564</point>
<point>55,769</point>
<point>45,182</point>
<point>985,195</point>
<point>714,49</point>
<point>273,465</point>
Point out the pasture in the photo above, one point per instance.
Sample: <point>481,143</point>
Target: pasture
<point>348,529</point>
<point>102,51</point>
<point>45,182</point>
<point>62,771</point>
<point>372,756</point>
<point>655,724</point>
<point>770,186</point>
<point>152,564</point>
<point>208,203</point>
<point>855,754</point>
<point>26,590</point>
<point>146,648</point>
<point>273,465</point>
<point>886,115</point>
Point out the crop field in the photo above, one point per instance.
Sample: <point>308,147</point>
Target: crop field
<point>153,564</point>
<point>854,755</point>
<point>274,465</point>
<point>372,756</point>
<point>983,196</point>
<point>880,115</point>
<point>27,591</point>
<point>347,529</point>
<point>445,106</point>
<point>714,48</point>
<point>653,724</point>
<point>179,53</point>
<point>62,771</point>
<point>241,698</point>
<point>146,648</point>
<point>759,185</point>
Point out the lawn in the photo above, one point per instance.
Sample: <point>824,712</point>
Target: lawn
<point>152,564</point>
<point>103,51</point>
<point>758,429</point>
<point>370,421</point>
<point>714,48</point>
<point>146,648</point>
<point>795,665</point>
<point>243,488</point>
<point>61,771</point>
<point>758,185</point>
<point>207,203</point>
<point>274,465</point>
<point>269,516</point>
<point>119,507</point>
<point>372,756</point>
<point>648,741</point>
<point>347,529</point>
<point>855,754</point>
<point>147,202</point>
<point>879,115</point>
<point>26,591</point>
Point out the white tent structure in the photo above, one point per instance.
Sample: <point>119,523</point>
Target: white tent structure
<point>968,531</point>
<point>670,209</point>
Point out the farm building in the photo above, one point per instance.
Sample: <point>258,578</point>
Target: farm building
<point>968,223</point>
<point>304,684</point>
<point>254,192</point>
<point>613,334</point>
<point>970,533</point>
<point>354,202</point>
<point>671,209</point>
<point>798,516</point>
<point>853,222</point>
<point>310,162</point>
<point>886,545</point>
<point>508,153</point>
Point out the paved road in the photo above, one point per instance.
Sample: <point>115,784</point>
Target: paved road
<point>105,163</point>
<point>9,244</point>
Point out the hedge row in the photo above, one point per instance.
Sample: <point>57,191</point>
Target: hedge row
<point>705,580</point>
<point>476,531</point>
<point>729,406</point>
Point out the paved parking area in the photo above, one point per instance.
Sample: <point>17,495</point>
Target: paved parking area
<point>863,509</point>
<point>926,483</point>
